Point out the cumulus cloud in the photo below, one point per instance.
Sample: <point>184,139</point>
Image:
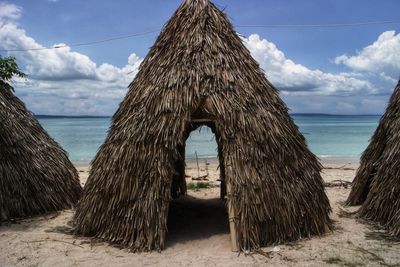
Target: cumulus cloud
<point>9,12</point>
<point>298,79</point>
<point>382,57</point>
<point>52,64</point>
<point>110,73</point>
<point>63,81</point>
<point>61,63</point>
<point>99,95</point>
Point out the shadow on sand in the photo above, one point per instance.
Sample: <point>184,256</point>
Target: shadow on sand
<point>194,219</point>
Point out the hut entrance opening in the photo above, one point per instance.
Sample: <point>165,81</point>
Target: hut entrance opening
<point>198,209</point>
<point>201,163</point>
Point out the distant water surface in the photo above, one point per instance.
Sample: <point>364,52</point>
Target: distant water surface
<point>328,136</point>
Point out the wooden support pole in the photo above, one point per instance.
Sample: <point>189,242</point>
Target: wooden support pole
<point>201,121</point>
<point>222,192</point>
<point>183,187</point>
<point>198,168</point>
<point>231,210</point>
<point>221,172</point>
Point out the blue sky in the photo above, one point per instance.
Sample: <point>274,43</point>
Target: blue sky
<point>342,70</point>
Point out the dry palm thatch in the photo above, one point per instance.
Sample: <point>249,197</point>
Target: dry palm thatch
<point>200,73</point>
<point>36,176</point>
<point>377,182</point>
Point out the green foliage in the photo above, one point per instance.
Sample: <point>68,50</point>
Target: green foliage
<point>8,69</point>
<point>338,261</point>
<point>199,185</point>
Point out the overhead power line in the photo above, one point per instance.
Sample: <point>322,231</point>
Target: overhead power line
<point>83,44</point>
<point>334,25</point>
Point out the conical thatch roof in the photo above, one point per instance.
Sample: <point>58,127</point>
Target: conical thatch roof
<point>377,183</point>
<point>200,73</point>
<point>36,176</point>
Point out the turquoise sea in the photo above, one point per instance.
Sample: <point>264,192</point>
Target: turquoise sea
<point>328,136</point>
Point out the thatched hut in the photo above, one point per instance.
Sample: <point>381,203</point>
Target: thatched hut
<point>36,176</point>
<point>377,183</point>
<point>200,73</point>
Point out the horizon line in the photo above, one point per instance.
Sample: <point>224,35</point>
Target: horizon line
<point>110,116</point>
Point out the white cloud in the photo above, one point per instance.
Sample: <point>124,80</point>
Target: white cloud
<point>298,79</point>
<point>345,107</point>
<point>9,12</point>
<point>110,73</point>
<point>61,63</point>
<point>97,96</point>
<point>62,81</point>
<point>382,57</point>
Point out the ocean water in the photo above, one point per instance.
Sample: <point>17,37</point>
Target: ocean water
<point>328,136</point>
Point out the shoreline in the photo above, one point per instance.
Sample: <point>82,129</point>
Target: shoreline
<point>353,161</point>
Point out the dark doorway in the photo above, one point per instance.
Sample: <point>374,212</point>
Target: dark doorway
<point>198,210</point>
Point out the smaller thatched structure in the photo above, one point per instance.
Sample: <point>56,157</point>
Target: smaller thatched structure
<point>377,183</point>
<point>36,176</point>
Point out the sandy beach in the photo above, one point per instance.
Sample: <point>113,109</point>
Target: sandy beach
<point>200,237</point>
<point>145,97</point>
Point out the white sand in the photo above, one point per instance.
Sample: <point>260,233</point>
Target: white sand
<point>199,238</point>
